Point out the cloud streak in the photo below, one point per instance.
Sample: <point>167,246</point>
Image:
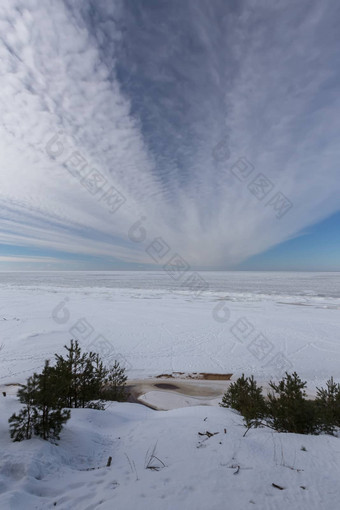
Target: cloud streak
<point>145,91</point>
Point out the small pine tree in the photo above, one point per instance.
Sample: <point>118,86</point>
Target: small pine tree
<point>50,416</point>
<point>246,397</point>
<point>22,424</point>
<point>49,423</point>
<point>92,381</point>
<point>288,409</point>
<point>78,380</point>
<point>328,407</point>
<point>70,372</point>
<point>82,377</point>
<point>43,414</point>
<point>115,383</point>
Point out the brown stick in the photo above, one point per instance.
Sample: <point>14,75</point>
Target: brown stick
<point>277,487</point>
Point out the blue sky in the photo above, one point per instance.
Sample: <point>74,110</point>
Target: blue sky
<point>202,132</point>
<point>317,249</point>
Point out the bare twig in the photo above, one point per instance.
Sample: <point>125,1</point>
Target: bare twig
<point>278,486</point>
<point>150,458</point>
<point>132,466</point>
<point>207,433</point>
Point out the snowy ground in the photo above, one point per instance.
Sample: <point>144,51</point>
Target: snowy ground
<point>195,472</point>
<point>244,322</point>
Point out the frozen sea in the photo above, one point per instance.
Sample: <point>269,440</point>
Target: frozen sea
<point>231,282</point>
<point>155,322</point>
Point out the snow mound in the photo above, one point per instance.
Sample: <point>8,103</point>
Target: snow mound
<point>189,458</point>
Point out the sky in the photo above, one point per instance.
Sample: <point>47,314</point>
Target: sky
<point>148,133</point>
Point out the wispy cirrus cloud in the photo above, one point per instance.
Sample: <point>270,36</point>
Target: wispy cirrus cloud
<point>28,259</point>
<point>145,91</point>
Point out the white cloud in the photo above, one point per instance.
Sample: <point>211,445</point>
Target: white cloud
<point>278,114</point>
<point>28,259</point>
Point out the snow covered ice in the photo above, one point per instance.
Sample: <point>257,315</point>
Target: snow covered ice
<point>157,325</point>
